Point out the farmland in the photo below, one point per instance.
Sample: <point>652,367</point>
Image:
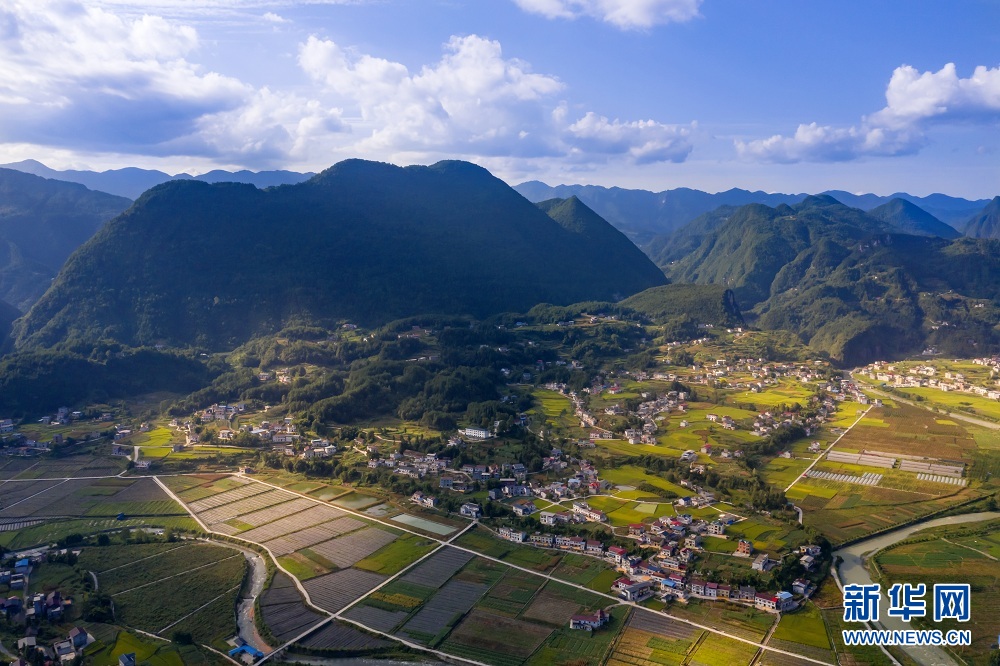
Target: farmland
<point>952,555</point>
<point>132,573</point>
<point>59,508</point>
<point>844,511</point>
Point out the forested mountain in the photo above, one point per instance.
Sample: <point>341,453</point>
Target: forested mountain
<point>131,182</point>
<point>215,265</point>
<point>648,216</point>
<point>41,222</point>
<point>985,224</point>
<point>641,214</point>
<point>911,219</point>
<point>849,284</point>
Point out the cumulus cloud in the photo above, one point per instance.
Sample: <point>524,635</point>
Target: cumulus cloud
<point>80,76</point>
<point>474,100</point>
<point>624,14</point>
<point>646,141</point>
<point>914,102</point>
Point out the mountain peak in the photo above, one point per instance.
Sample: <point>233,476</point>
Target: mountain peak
<point>364,241</point>
<point>986,223</point>
<point>910,218</point>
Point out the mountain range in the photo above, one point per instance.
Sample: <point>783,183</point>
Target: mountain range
<point>213,265</point>
<point>41,223</point>
<point>849,283</point>
<point>643,215</point>
<point>132,182</point>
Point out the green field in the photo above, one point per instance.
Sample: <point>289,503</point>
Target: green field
<point>957,401</point>
<point>714,650</point>
<point>398,555</point>
<point>935,560</point>
<point>157,437</point>
<point>804,626</point>
<point>200,587</point>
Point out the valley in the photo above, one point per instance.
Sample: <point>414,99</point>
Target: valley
<point>599,455</point>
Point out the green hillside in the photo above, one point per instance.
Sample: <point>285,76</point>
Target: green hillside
<point>705,304</point>
<point>986,223</point>
<point>215,265</point>
<point>41,222</point>
<point>847,283</point>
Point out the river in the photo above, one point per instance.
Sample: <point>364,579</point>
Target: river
<point>852,570</point>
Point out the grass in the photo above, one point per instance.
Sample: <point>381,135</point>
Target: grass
<point>303,567</point>
<point>398,555</point>
<point>53,531</point>
<point>102,558</point>
<point>630,475</point>
<point>580,569</point>
<point>157,437</point>
<point>959,402</point>
<point>804,626</point>
<point>715,649</point>
<point>744,622</point>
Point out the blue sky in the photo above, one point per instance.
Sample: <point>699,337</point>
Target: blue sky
<point>773,95</point>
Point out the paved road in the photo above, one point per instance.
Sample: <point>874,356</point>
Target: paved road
<point>820,456</point>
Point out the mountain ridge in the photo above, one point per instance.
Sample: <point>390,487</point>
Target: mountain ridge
<point>133,181</point>
<point>643,214</point>
<point>42,221</point>
<point>215,264</point>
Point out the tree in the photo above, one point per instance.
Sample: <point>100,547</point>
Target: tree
<point>103,540</point>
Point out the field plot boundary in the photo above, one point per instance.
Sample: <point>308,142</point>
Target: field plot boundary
<point>448,542</point>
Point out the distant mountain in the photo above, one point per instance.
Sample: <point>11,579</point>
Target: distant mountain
<point>911,219</point>
<point>644,215</point>
<point>846,282</point>
<point>986,223</point>
<point>41,222</point>
<point>131,182</point>
<point>193,263</point>
<point>640,214</point>
<point>953,211</point>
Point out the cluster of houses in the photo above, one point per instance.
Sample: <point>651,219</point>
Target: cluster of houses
<point>930,377</point>
<point>64,651</point>
<point>283,435</point>
<point>666,574</point>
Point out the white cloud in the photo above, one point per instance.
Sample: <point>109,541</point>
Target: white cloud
<point>475,101</point>
<point>646,141</point>
<point>624,14</point>
<point>81,77</point>
<point>914,97</point>
<point>914,102</point>
<point>271,17</point>
<point>823,143</point>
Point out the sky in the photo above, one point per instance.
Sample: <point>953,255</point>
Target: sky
<point>777,95</point>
